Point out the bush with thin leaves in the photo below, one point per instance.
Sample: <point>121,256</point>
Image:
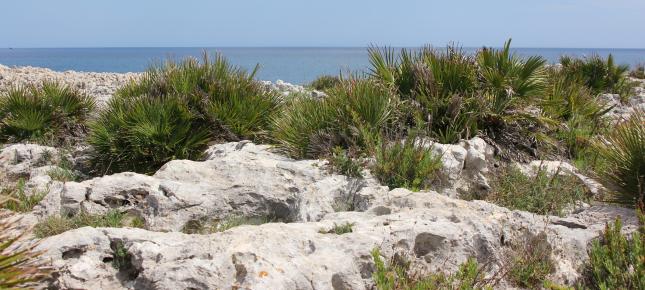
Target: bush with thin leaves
<point>352,116</point>
<point>214,91</point>
<point>408,164</point>
<point>598,74</point>
<point>617,261</point>
<point>141,134</point>
<point>508,78</point>
<point>55,225</point>
<point>543,193</point>
<point>48,113</point>
<point>623,152</point>
<point>20,267</point>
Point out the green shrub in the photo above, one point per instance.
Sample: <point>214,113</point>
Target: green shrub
<point>616,261</point>
<point>18,199</point>
<point>19,265</point>
<point>55,225</point>
<point>508,78</point>
<point>624,156</point>
<point>141,134</point>
<point>406,164</point>
<point>175,109</point>
<point>530,262</point>
<point>397,276</point>
<point>598,74</point>
<point>341,162</point>
<point>214,90</point>
<point>324,82</point>
<point>638,71</point>
<point>541,194</point>
<point>50,113</point>
<point>352,116</point>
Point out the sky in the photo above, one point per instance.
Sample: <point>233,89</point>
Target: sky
<point>320,23</point>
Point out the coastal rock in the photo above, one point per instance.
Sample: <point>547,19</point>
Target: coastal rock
<point>18,160</point>
<point>432,231</point>
<point>99,85</point>
<point>287,89</point>
<point>236,179</point>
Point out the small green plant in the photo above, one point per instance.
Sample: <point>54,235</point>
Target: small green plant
<point>530,262</point>
<point>324,82</point>
<point>54,225</point>
<point>397,276</point>
<point>49,113</point>
<point>339,229</point>
<point>617,261</point>
<point>121,256</point>
<point>624,156</point>
<point>544,193</point>
<point>409,164</point>
<point>19,199</point>
<point>20,267</point>
<point>342,163</point>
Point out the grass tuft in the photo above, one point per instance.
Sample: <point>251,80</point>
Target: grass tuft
<point>408,164</point>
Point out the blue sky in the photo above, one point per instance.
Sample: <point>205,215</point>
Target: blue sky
<point>201,23</point>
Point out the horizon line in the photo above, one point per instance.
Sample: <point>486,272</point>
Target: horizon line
<point>310,47</point>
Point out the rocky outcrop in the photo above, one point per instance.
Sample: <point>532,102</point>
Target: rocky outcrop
<point>235,179</point>
<point>432,231</point>
<point>622,110</point>
<point>286,89</point>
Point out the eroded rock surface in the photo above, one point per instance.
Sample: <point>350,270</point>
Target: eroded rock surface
<point>432,231</point>
<point>235,179</point>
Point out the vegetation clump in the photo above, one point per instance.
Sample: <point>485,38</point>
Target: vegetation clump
<point>616,261</point>
<point>351,117</point>
<point>54,225</point>
<point>598,74</point>
<point>530,262</point>
<point>206,226</point>
<point>623,153</point>
<point>18,199</point>
<point>543,193</point>
<point>50,113</point>
<point>339,229</point>
<point>397,276</point>
<point>408,164</point>
<point>20,267</point>
<point>175,109</point>
<point>324,82</point>
<point>638,71</point>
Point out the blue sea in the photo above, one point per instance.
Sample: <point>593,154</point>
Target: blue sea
<point>295,65</point>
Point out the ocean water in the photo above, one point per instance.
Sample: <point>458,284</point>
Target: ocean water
<point>295,65</point>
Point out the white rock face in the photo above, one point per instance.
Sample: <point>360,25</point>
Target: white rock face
<point>464,165</point>
<point>288,89</point>
<point>18,160</point>
<point>100,85</point>
<point>235,179</point>
<point>432,231</point>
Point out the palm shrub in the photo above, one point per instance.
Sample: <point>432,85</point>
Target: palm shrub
<point>439,86</point>
<point>508,78</point>
<point>47,113</point>
<point>352,116</point>
<point>175,109</point>
<point>215,91</point>
<point>624,155</point>
<point>409,164</point>
<point>598,74</point>
<point>140,134</point>
<point>19,266</point>
<point>579,112</point>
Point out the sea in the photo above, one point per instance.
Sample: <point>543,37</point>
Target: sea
<point>295,65</point>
